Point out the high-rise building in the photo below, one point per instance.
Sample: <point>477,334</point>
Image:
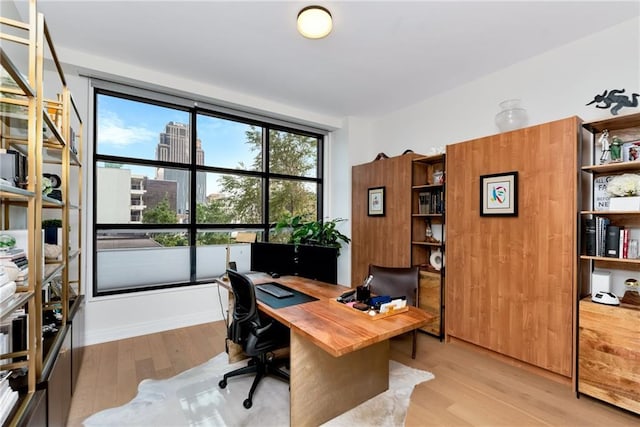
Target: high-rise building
<point>174,147</point>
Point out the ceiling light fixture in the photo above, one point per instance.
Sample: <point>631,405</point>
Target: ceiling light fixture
<point>314,22</point>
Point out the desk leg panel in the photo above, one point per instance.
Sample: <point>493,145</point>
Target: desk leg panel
<point>323,386</point>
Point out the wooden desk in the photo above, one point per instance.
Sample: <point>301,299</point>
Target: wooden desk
<point>338,359</point>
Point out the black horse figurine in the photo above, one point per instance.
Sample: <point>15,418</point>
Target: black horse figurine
<point>613,97</point>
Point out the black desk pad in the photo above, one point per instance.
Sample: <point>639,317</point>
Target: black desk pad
<point>274,302</point>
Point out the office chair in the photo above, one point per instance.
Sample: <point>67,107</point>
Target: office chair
<point>258,336</point>
<point>395,282</point>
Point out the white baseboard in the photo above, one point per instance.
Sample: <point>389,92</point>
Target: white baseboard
<point>149,327</point>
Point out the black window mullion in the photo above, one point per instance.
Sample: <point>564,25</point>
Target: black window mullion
<point>192,169</point>
<point>320,175</point>
<point>266,159</point>
<point>193,223</point>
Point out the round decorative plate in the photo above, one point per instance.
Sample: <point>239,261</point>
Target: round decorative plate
<point>436,260</point>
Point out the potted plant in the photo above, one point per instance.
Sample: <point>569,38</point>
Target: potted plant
<point>317,233</point>
<point>50,227</point>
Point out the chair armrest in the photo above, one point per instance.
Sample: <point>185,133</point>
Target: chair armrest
<point>260,330</point>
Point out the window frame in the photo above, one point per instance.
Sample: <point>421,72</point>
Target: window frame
<point>193,169</point>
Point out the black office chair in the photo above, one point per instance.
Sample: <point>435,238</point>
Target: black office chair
<point>395,282</point>
<point>259,336</point>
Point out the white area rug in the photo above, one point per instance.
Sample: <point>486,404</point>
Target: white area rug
<point>193,398</point>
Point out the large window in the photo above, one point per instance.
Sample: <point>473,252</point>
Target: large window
<point>174,186</point>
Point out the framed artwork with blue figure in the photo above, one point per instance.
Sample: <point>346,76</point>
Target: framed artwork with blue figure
<point>499,194</point>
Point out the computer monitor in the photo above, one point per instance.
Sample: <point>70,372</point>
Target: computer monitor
<point>272,258</point>
<point>318,263</point>
<point>312,262</point>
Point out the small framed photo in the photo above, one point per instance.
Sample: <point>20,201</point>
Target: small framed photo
<point>376,201</point>
<point>499,194</point>
<point>631,151</point>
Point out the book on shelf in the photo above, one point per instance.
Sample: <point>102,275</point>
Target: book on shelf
<point>624,243</point>
<point>424,203</point>
<point>612,242</point>
<point>437,202</point>
<point>19,330</point>
<point>601,234</point>
<point>589,237</point>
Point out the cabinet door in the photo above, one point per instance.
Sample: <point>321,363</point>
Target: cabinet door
<point>59,386</point>
<point>609,354</point>
<point>77,341</point>
<point>510,285</point>
<point>382,240</point>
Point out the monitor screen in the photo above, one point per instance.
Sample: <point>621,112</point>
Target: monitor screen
<point>312,262</point>
<point>318,263</point>
<point>272,258</point>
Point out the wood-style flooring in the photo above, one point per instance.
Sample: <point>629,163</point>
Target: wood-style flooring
<point>471,388</point>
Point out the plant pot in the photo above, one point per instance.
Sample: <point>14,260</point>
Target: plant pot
<point>51,235</point>
<point>624,203</point>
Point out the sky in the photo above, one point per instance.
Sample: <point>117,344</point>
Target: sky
<point>131,129</point>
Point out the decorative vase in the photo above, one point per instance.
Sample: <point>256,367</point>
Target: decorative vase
<point>512,116</point>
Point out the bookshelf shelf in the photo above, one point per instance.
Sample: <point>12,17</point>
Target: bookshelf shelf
<point>606,213</point>
<point>427,186</point>
<point>610,259</point>
<point>41,136</point>
<point>427,223</point>
<point>604,232</point>
<point>612,167</point>
<point>439,244</point>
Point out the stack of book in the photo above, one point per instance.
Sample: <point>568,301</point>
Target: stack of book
<point>424,203</point>
<point>431,202</point>
<point>7,286</point>
<point>8,397</point>
<point>604,239</point>
<point>16,258</point>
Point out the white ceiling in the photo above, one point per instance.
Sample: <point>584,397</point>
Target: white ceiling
<point>381,55</point>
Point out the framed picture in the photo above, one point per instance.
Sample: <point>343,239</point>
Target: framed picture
<point>376,201</point>
<point>499,194</point>
<point>631,151</point>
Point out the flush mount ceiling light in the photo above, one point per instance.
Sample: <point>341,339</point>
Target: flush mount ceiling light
<point>314,22</point>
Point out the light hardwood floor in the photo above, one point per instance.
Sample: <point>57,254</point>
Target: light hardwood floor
<point>470,389</point>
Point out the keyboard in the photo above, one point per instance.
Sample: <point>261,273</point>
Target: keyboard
<point>275,290</point>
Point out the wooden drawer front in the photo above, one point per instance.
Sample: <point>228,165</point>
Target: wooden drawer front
<point>609,354</point>
<point>429,300</point>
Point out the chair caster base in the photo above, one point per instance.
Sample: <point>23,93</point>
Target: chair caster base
<point>222,384</point>
<point>247,403</point>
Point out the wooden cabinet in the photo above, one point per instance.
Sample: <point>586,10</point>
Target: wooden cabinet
<point>427,235</point>
<point>381,239</point>
<point>609,354</point>
<point>608,362</point>
<point>40,138</point>
<point>399,238</point>
<point>512,290</point>
<point>59,384</point>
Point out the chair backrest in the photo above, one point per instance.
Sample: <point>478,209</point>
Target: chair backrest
<point>396,281</point>
<point>245,308</point>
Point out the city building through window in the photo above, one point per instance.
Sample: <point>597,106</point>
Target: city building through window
<point>173,186</point>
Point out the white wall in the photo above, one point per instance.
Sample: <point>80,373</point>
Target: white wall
<point>552,86</point>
